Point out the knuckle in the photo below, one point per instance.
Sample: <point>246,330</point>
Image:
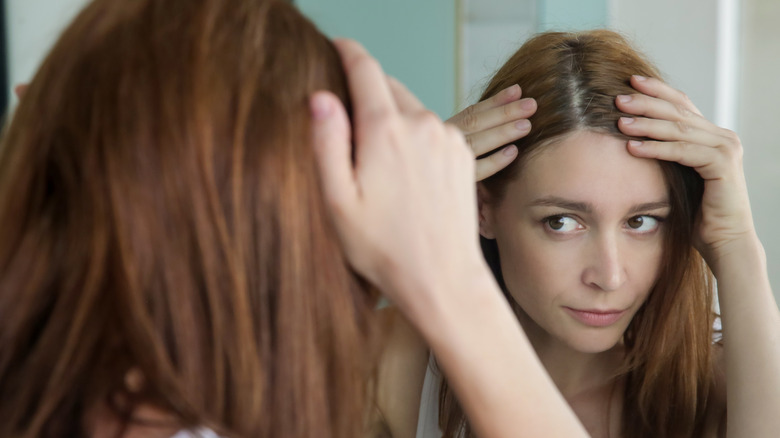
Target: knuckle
<point>382,125</point>
<point>734,151</point>
<point>733,138</point>
<point>381,119</point>
<point>469,120</point>
<point>428,122</point>
<point>508,111</point>
<point>683,111</point>
<point>363,61</point>
<point>681,150</point>
<point>682,127</point>
<point>469,141</point>
<point>429,117</point>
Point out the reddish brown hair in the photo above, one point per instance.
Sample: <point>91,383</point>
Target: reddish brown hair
<point>575,78</point>
<point>160,210</point>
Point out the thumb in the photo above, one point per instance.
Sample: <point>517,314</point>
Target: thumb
<point>333,150</point>
<point>20,89</point>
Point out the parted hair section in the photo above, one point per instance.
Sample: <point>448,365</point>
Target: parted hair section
<point>160,211</point>
<point>575,79</point>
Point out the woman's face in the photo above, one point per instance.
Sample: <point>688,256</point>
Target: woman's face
<point>580,235</point>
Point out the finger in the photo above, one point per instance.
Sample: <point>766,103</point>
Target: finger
<point>333,150</point>
<point>490,165</point>
<point>20,89</point>
<point>666,130</point>
<point>474,122</point>
<point>688,154</point>
<point>473,119</point>
<point>486,141</point>
<point>656,108</point>
<point>465,119</point>
<point>657,88</point>
<point>371,95</point>
<point>404,99</point>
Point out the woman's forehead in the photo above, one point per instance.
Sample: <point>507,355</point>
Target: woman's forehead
<point>590,167</point>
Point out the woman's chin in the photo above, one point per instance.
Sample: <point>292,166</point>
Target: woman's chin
<point>591,343</point>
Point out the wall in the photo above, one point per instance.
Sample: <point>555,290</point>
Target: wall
<point>572,14</point>
<point>33,26</point>
<point>490,31</point>
<point>414,40</point>
<point>758,122</point>
<point>685,49</point>
<point>426,62</point>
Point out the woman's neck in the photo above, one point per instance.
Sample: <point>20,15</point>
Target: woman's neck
<point>588,381</point>
<point>575,373</point>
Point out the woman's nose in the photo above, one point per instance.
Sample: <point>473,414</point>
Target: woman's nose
<point>604,267</point>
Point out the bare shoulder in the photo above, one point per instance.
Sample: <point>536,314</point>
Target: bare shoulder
<point>715,426</point>
<point>400,379</point>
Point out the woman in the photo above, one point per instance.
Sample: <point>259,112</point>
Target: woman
<point>596,233</point>
<point>168,257</point>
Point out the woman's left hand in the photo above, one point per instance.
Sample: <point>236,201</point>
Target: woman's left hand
<point>685,136</point>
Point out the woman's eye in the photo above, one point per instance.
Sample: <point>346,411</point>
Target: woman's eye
<point>561,223</point>
<point>643,223</point>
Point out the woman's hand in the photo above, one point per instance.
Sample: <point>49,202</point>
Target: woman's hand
<point>406,211</point>
<point>688,138</point>
<point>493,123</point>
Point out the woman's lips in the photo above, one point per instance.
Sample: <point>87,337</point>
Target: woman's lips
<point>596,318</point>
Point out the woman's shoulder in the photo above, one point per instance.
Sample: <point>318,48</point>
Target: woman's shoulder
<point>400,378</point>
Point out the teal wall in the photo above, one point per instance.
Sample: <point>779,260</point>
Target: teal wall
<point>572,14</point>
<point>417,40</point>
<point>414,40</point>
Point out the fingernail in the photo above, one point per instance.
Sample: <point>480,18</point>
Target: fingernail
<point>635,143</point>
<point>527,103</point>
<point>320,106</point>
<point>640,78</point>
<point>510,150</point>
<point>624,99</point>
<point>513,90</point>
<point>523,125</point>
<point>627,120</point>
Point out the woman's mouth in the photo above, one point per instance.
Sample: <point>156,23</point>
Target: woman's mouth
<point>594,317</point>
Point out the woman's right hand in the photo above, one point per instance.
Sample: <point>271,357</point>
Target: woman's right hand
<point>405,209</point>
<point>493,123</point>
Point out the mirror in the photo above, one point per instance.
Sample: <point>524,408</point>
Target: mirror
<point>724,59</point>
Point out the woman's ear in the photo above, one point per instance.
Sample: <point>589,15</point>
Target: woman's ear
<point>485,207</point>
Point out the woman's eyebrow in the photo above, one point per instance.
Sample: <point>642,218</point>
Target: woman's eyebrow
<point>584,207</point>
<point>555,201</point>
<point>649,206</point>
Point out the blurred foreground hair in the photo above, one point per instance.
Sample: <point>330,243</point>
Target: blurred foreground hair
<point>160,210</point>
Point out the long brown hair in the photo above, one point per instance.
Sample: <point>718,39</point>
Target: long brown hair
<point>575,78</point>
<point>160,210</point>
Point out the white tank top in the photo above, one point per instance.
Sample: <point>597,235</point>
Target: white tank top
<point>428,418</point>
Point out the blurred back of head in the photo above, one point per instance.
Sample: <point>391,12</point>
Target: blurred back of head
<point>160,211</point>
